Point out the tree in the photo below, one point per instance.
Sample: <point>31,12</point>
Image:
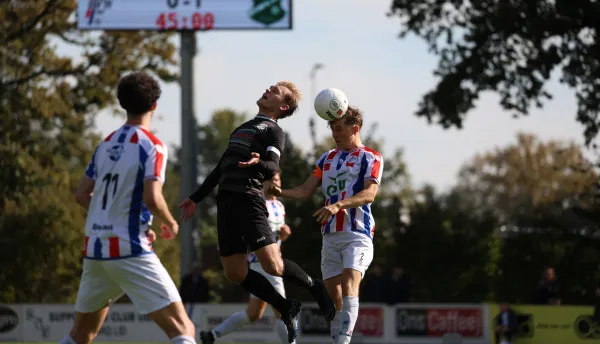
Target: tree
<point>448,249</point>
<point>540,194</point>
<point>508,47</point>
<point>528,174</point>
<point>47,105</point>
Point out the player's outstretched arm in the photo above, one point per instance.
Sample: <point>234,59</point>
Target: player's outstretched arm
<point>303,191</point>
<point>209,184</point>
<point>366,196</point>
<point>83,194</point>
<point>155,201</point>
<point>188,206</point>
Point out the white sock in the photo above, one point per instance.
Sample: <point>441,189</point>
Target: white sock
<point>67,340</point>
<point>335,326</point>
<point>183,340</point>
<point>231,324</point>
<point>348,319</point>
<point>282,332</point>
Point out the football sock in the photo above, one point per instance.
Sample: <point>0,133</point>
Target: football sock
<point>293,273</point>
<point>183,340</point>
<point>348,319</point>
<point>335,326</point>
<point>231,324</point>
<point>259,286</point>
<point>282,332</point>
<point>67,340</point>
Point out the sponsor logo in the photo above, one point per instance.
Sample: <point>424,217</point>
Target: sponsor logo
<point>436,322</point>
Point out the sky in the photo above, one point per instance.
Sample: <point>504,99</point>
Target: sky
<point>383,75</point>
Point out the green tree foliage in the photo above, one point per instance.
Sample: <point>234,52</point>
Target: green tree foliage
<point>47,104</point>
<point>508,47</point>
<point>448,249</point>
<point>537,191</point>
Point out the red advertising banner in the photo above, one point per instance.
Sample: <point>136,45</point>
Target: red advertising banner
<point>468,322</point>
<point>436,322</point>
<point>370,322</point>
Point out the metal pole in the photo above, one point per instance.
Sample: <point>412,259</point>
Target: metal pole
<point>188,146</point>
<point>311,121</point>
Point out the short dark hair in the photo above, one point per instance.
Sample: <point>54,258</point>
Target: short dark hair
<point>137,93</point>
<point>353,116</point>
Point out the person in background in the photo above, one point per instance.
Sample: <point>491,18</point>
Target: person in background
<point>547,291</point>
<point>506,324</point>
<point>398,287</point>
<point>194,286</point>
<point>374,286</point>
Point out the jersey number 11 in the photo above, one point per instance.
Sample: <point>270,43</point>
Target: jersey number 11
<point>108,178</point>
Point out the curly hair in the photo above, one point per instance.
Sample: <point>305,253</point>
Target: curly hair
<point>137,93</point>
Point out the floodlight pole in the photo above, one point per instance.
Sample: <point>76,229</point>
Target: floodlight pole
<point>311,122</point>
<point>188,148</point>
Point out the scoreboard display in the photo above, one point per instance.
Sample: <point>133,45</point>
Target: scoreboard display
<point>196,15</point>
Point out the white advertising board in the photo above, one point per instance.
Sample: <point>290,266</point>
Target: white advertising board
<point>403,324</point>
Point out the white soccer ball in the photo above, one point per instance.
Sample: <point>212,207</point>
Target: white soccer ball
<point>331,104</point>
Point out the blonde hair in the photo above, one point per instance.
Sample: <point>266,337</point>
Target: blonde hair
<point>291,98</point>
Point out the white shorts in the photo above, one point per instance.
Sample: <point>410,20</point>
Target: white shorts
<point>144,279</point>
<point>345,250</point>
<point>277,282</point>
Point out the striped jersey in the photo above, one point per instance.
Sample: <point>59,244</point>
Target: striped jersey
<point>276,221</point>
<point>343,174</point>
<point>117,223</point>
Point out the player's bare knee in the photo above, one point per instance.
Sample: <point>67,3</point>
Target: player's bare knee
<point>235,275</point>
<point>273,267</point>
<point>254,315</point>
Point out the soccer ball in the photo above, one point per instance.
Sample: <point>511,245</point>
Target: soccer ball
<point>331,104</point>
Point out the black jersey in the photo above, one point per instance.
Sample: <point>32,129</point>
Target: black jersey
<point>261,135</point>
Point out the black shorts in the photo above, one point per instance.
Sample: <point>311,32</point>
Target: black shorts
<point>242,223</point>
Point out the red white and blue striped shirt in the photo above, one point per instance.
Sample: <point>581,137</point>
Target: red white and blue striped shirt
<point>118,221</point>
<point>343,175</point>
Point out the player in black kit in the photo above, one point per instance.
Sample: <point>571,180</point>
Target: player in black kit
<point>251,158</point>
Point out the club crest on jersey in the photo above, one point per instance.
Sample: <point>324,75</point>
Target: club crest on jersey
<point>261,127</point>
<point>115,152</point>
<point>352,159</point>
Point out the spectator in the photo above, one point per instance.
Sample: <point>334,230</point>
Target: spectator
<point>373,288</point>
<point>547,291</point>
<point>194,287</point>
<point>506,324</point>
<point>398,287</point>
<point>596,317</point>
